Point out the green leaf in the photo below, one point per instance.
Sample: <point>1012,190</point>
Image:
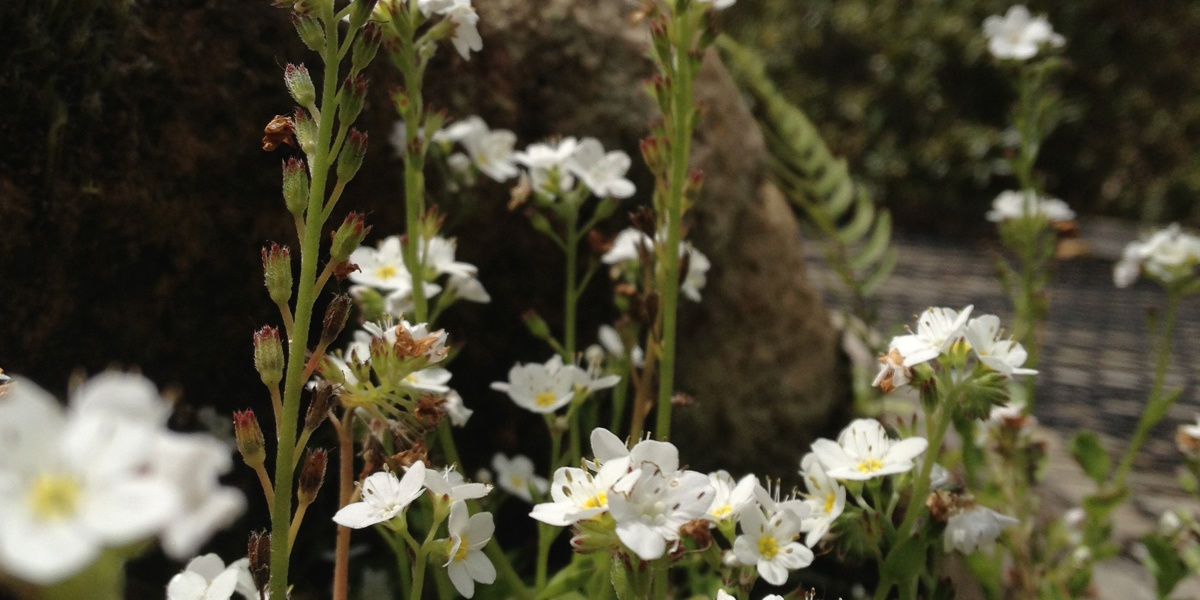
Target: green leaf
<point>857,228</point>
<point>1162,562</point>
<point>872,283</point>
<point>621,582</point>
<point>904,560</point>
<point>877,246</point>
<point>1092,456</point>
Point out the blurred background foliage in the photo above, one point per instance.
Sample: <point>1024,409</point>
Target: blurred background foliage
<point>908,93</point>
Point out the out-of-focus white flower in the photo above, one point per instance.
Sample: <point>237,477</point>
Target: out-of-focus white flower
<point>517,475</point>
<point>545,161</point>
<point>456,409</point>
<point>383,497</point>
<point>541,388</point>
<point>1167,255</point>
<point>490,150</point>
<point>466,29</point>
<point>1011,204</point>
<point>937,330</point>
<point>1187,439</point>
<point>864,451</point>
<point>603,173</point>
<point>826,499</point>
<point>718,4</point>
<point>207,578</point>
<point>465,561</point>
<point>194,464</point>
<point>437,254</point>
<point>1001,355</point>
<point>974,529</point>
<point>940,477</point>
<point>730,497</point>
<point>625,250</point>
<point>769,544</point>
<point>1018,34</point>
<point>72,485</point>
<point>611,341</point>
<point>468,288</point>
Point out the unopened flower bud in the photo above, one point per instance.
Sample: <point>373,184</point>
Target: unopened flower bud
<point>258,550</point>
<point>348,237</point>
<point>354,93</point>
<point>319,406</point>
<point>351,157</point>
<point>295,186</point>
<point>268,356</point>
<point>335,318</point>
<point>277,273</point>
<point>365,47</point>
<point>661,39</point>
<point>312,475</point>
<point>306,131</point>
<point>692,185</point>
<point>540,223</point>
<point>299,84</point>
<point>536,325</point>
<point>311,31</point>
<point>360,12</point>
<point>249,438</point>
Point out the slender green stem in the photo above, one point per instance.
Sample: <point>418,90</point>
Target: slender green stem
<point>414,170</point>
<point>916,504</point>
<point>310,247</point>
<point>1156,407</point>
<point>505,570</point>
<point>682,107</point>
<point>571,294</point>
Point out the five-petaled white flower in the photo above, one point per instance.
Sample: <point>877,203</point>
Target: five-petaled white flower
<point>603,173</point>
<point>975,528</point>
<point>937,330</point>
<point>383,497</point>
<point>448,485</point>
<point>1018,34</point>
<point>864,451</point>
<point>1001,355</point>
<point>541,388</point>
<point>547,165</point>
<point>1012,204</point>
<point>826,499</point>
<point>769,543</point>
<point>490,150</point>
<point>517,475</point>
<point>456,409</point>
<point>730,497</point>
<point>655,499</point>
<point>381,267</point>
<point>465,560</point>
<point>207,578</point>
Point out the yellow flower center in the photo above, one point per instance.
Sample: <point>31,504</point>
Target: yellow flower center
<point>517,482</point>
<point>386,272</point>
<point>830,500</point>
<point>722,511</point>
<point>462,551</point>
<point>597,501</point>
<point>545,398</point>
<point>870,465</point>
<point>54,497</point>
<point>767,547</point>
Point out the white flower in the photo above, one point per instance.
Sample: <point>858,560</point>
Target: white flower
<point>72,485</point>
<point>383,497</point>
<point>428,380</point>
<point>450,486</point>
<point>864,451</point>
<point>465,561</point>
<point>718,4</point>
<point>541,388</point>
<point>490,150</point>
<point>1001,355</point>
<point>603,174</point>
<point>730,497</point>
<point>207,578</point>
<point>466,28</point>
<point>194,464</point>
<point>770,544</point>
<point>1011,204</point>
<point>650,504</point>
<point>1019,35</point>
<point>543,160</point>
<point>937,330</point>
<point>468,288</point>
<point>429,7</point>
<point>826,499</point>
<point>974,529</point>
<point>437,253</point>
<point>517,475</point>
<point>940,477</point>
<point>577,495</point>
<point>382,267</point>
<point>625,249</point>
<point>456,409</point>
<point>1167,255</point>
<point>610,340</point>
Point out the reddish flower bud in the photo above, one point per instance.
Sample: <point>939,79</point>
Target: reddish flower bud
<point>312,475</point>
<point>295,186</point>
<point>259,552</point>
<point>354,93</point>
<point>348,237</point>
<point>249,437</point>
<point>351,156</point>
<point>311,31</point>
<point>299,84</point>
<point>365,47</point>
<point>336,315</point>
<point>268,356</point>
<point>277,273</point>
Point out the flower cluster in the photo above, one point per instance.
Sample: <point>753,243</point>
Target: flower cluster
<point>1168,255</point>
<point>464,22</point>
<point>1019,35</point>
<point>938,331</point>
<point>105,473</point>
<point>1011,205</point>
<point>382,270</point>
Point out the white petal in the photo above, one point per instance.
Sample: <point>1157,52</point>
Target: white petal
<point>359,515</point>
